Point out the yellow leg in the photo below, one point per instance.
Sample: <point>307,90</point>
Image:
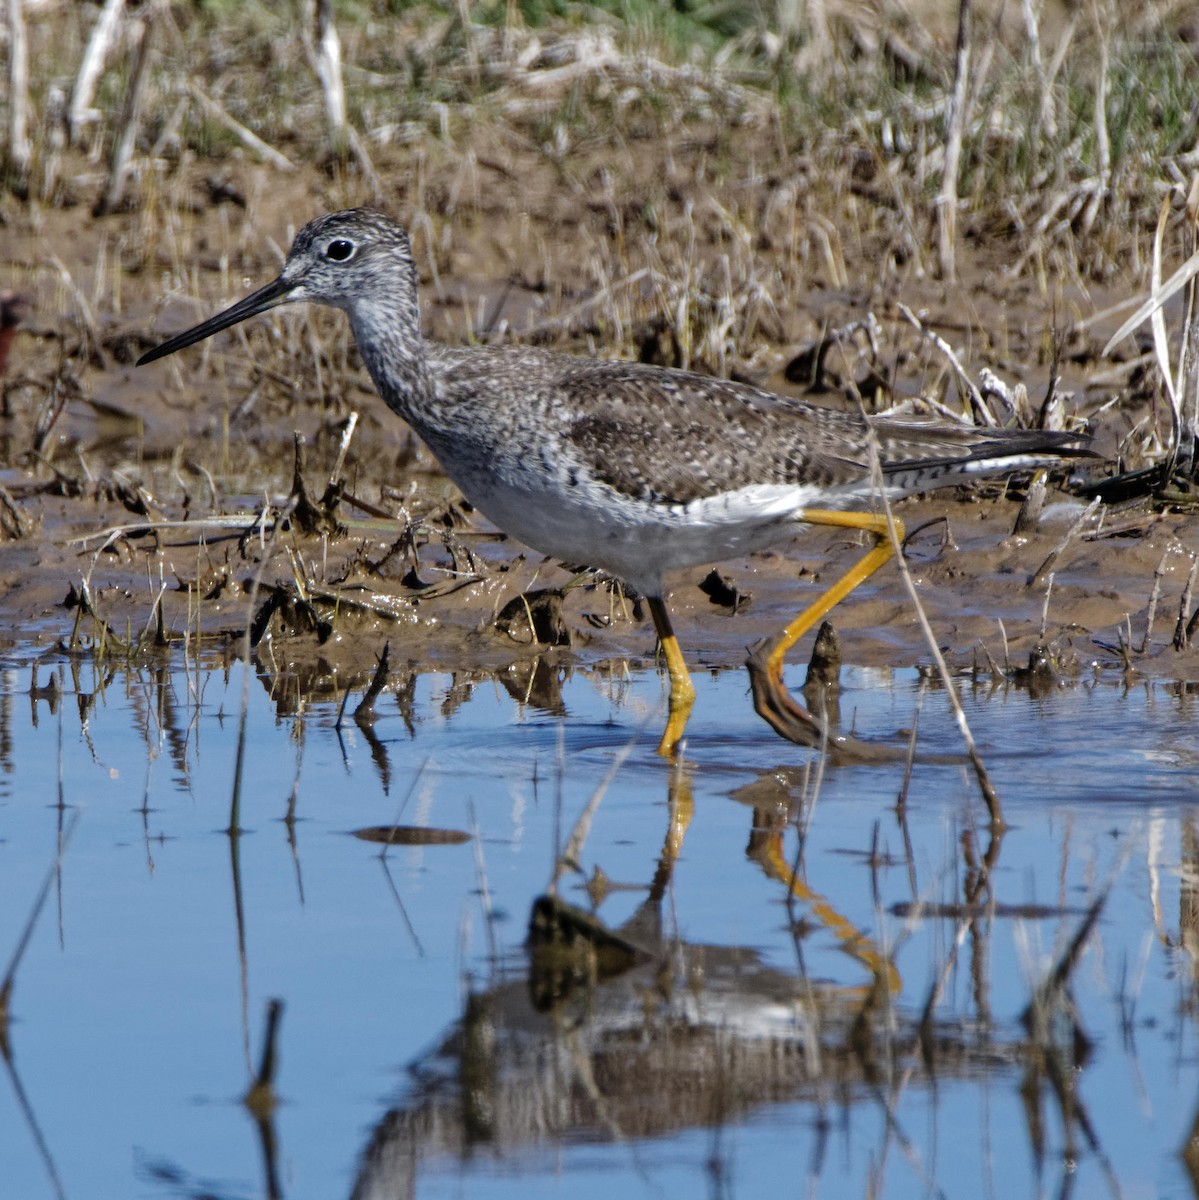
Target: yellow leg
<point>771,701</point>
<point>682,690</point>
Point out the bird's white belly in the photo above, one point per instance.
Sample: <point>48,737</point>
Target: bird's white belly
<point>639,541</point>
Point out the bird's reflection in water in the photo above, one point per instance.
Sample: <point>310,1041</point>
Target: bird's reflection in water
<point>631,1032</point>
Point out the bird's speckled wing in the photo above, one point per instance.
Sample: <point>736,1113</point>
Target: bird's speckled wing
<point>653,436</point>
<point>649,433</point>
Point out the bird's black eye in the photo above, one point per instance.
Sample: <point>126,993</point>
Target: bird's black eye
<point>340,250</point>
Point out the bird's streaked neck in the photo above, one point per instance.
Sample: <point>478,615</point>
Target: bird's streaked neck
<point>390,341</point>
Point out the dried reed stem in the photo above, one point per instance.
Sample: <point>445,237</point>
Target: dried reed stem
<point>131,116</point>
<point>247,137</point>
<point>99,45</point>
<point>989,794</point>
<point>20,149</point>
<point>947,198</point>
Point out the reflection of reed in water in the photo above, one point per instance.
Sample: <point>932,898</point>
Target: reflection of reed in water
<point>1188,895</point>
<point>1188,932</point>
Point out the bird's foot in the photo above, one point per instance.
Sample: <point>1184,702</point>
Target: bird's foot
<point>773,703</point>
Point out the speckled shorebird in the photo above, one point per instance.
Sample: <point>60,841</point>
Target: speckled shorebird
<point>633,468</point>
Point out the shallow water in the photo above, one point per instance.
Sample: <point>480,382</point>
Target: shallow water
<point>743,1047</point>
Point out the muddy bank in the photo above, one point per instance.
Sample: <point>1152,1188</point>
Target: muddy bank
<point>445,591</point>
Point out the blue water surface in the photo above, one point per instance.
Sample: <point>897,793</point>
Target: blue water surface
<point>138,1007</point>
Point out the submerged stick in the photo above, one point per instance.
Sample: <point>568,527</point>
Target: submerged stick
<point>365,714</point>
<point>261,1098</point>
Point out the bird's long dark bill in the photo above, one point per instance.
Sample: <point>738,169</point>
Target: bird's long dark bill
<point>273,294</point>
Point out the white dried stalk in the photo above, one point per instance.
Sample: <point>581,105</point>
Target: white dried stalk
<point>1103,149</point>
<point>20,150</point>
<point>327,64</point>
<point>1157,322</point>
<point>965,383</point>
<point>131,116</point>
<point>1188,356</point>
<point>325,57</point>
<point>1181,384</point>
<point>1157,297</point>
<point>1031,12</point>
<point>99,46</point>
<point>947,199</point>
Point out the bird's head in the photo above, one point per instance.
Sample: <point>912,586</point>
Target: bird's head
<point>340,259</point>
